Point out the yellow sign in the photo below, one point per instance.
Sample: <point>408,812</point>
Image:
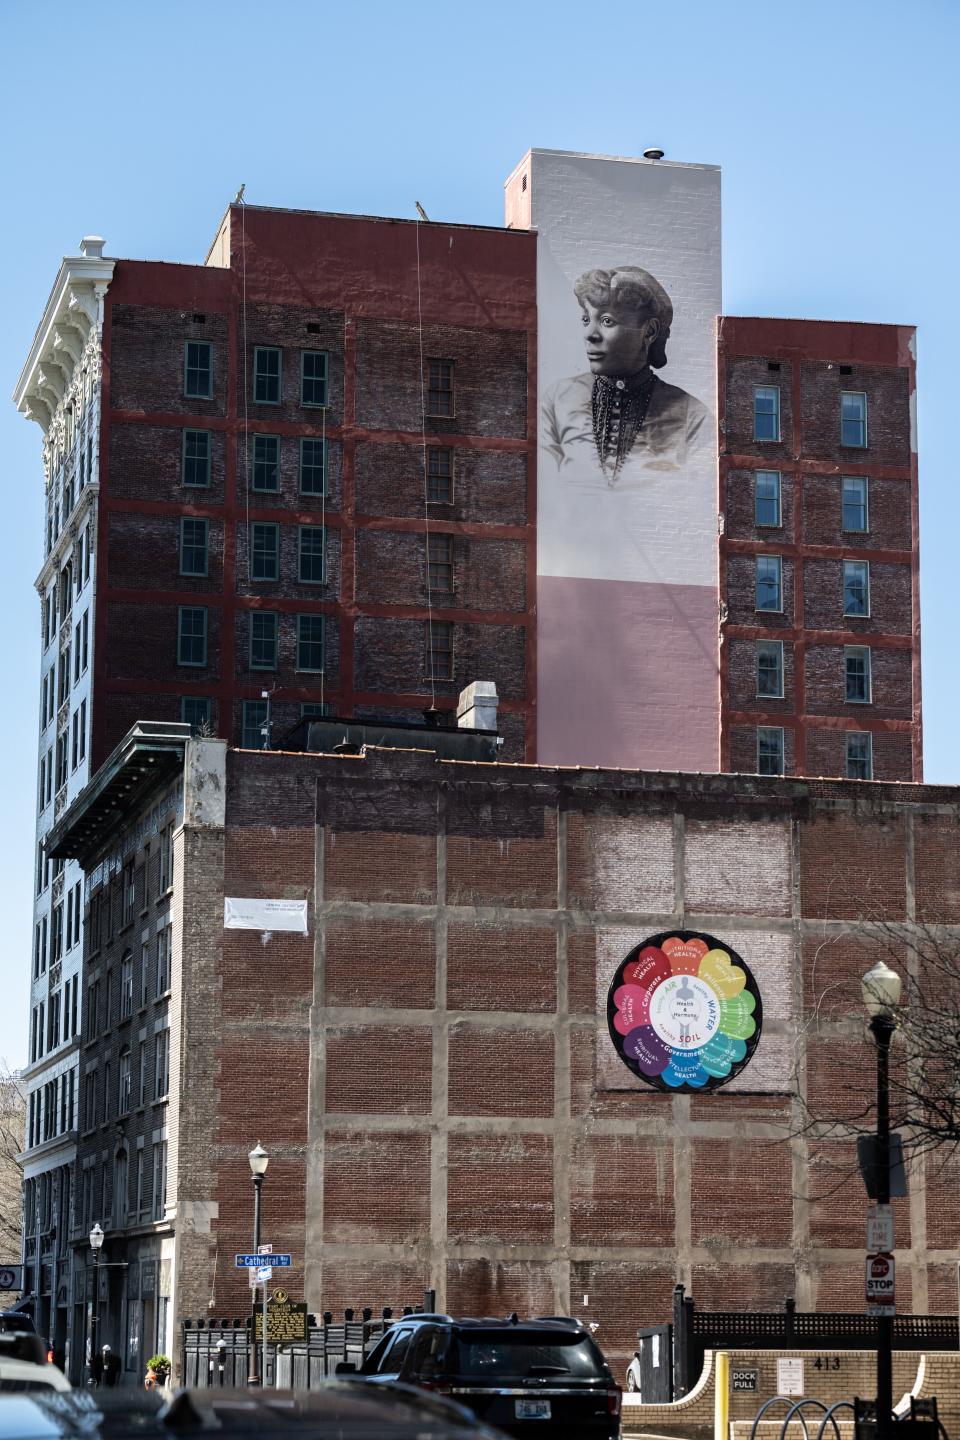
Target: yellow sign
<point>280,1297</point>
<point>286,1319</point>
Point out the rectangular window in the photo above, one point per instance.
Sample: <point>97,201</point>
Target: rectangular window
<point>439,475</point>
<point>129,893</point>
<point>440,387</point>
<point>192,635</point>
<point>126,986</point>
<point>264,551</point>
<point>857,678</point>
<point>770,669</point>
<point>440,563</point>
<point>193,546</point>
<point>195,712</point>
<point>766,412</point>
<point>769,750</point>
<point>61,761</point>
<point>314,710</point>
<point>74,738</point>
<point>766,497</point>
<point>769,583</point>
<point>312,558</point>
<point>196,458</point>
<point>255,725</point>
<point>310,642</point>
<point>84,641</point>
<point>266,462</point>
<point>163,960</point>
<point>313,377</point>
<point>77,633</point>
<point>159,1180</point>
<point>198,369</point>
<point>856,587</point>
<point>859,756</point>
<point>264,626</point>
<point>161,1073</point>
<point>165,866</point>
<point>313,465</point>
<point>266,375</point>
<point>856,506</point>
<point>83,729</point>
<point>142,1076</point>
<point>853,419</point>
<point>123,1095</point>
<point>440,650</point>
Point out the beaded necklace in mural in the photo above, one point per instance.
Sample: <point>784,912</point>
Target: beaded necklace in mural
<point>619,410</point>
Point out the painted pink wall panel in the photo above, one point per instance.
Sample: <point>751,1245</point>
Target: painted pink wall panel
<point>650,703</point>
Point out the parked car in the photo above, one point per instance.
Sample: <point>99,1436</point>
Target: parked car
<point>541,1377</point>
<point>633,1375</point>
<point>24,1364</point>
<point>344,1410</point>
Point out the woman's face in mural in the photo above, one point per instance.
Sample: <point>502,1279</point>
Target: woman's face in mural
<point>617,340</point>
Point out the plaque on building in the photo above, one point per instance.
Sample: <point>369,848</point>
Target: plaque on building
<point>684,1012</point>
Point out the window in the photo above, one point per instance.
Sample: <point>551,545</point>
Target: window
<point>159,1179</point>
<point>263,640</point>
<point>859,756</point>
<point>129,893</point>
<point>856,587</point>
<point>266,375</point>
<point>192,635</point>
<point>196,458</point>
<point>61,761</point>
<point>255,725</point>
<point>769,587</point>
<point>74,740</point>
<point>76,652</point>
<point>439,387</point>
<point>266,462</point>
<point>313,465</point>
<point>312,563</point>
<point>856,509</point>
<point>198,369</point>
<point>84,641</point>
<point>439,475</point>
<point>138,1197</point>
<point>142,1076</point>
<point>313,377</point>
<point>314,710</point>
<point>769,750</point>
<point>83,730</point>
<point>857,679</point>
<point>193,546</point>
<point>264,551</point>
<point>440,650</point>
<point>766,412</point>
<point>310,642</point>
<point>163,960</point>
<point>766,497</point>
<point>126,986</point>
<point>195,712</point>
<point>770,669</point>
<point>440,563</point>
<point>161,1066</point>
<point>165,864</point>
<point>123,1097</point>
<point>853,418</point>
<point>120,1182</point>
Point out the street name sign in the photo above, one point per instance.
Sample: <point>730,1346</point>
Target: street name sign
<point>881,1284</point>
<point>253,1262</point>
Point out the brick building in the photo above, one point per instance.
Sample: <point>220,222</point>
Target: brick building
<point>305,476</point>
<point>820,654</point>
<point>432,1060</point>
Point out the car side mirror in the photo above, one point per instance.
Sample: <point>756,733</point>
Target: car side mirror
<point>345,1367</point>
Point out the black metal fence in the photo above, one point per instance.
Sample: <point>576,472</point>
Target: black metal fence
<point>216,1353</point>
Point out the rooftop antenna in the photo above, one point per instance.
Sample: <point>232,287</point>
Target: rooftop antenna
<point>653,154</point>
<point>421,212</point>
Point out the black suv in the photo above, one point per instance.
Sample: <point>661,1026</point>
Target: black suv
<point>541,1377</point>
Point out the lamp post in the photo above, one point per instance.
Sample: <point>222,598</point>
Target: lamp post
<point>259,1160</point>
<point>881,989</point>
<point>96,1241</point>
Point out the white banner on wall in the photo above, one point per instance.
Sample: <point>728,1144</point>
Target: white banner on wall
<point>253,914</point>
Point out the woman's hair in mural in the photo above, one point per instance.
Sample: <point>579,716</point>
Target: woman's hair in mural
<point>630,288</point>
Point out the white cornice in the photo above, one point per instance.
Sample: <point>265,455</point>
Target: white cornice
<point>73,315</point>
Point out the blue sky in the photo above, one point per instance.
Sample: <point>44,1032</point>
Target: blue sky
<point>836,127</point>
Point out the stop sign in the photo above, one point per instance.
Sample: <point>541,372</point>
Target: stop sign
<point>880,1279</point>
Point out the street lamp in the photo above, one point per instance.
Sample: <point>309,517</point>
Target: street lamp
<point>259,1160</point>
<point>881,988</point>
<point>96,1241</point>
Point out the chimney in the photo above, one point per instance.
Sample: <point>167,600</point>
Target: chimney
<point>477,706</point>
<point>91,246</point>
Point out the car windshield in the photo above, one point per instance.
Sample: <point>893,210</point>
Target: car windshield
<point>526,1352</point>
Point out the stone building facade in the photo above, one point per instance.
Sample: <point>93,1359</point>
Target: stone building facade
<point>432,1060</point>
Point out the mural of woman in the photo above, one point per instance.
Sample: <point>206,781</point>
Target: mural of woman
<point>621,421</point>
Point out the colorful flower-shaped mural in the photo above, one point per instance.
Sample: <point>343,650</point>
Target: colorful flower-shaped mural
<point>684,1012</point>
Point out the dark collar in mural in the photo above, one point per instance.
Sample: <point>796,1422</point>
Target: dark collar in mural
<point>619,409</point>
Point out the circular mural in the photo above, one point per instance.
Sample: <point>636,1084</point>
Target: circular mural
<point>684,1012</point>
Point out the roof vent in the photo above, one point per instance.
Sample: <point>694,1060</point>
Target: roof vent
<point>653,154</point>
<point>91,246</point>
